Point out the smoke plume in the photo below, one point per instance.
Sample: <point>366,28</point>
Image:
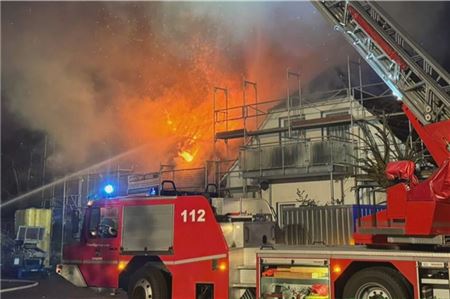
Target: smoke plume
<point>103,77</point>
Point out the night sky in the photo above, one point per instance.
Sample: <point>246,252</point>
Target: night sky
<point>67,67</point>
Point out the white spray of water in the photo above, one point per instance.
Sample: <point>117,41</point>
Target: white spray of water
<point>75,174</point>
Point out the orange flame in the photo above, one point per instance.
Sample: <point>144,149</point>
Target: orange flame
<point>187,156</point>
<point>179,120</point>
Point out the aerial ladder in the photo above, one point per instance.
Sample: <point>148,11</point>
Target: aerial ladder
<point>416,212</point>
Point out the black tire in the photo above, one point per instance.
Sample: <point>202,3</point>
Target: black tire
<point>376,283</point>
<point>145,281</point>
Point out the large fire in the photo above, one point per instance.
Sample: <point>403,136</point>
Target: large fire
<point>179,122</point>
<point>116,76</point>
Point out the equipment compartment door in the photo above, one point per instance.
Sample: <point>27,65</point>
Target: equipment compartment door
<point>294,278</point>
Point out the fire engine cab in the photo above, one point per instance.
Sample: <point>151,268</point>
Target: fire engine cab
<point>147,245</point>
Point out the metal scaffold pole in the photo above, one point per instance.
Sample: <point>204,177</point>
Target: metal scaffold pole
<point>245,115</point>
<point>44,165</point>
<point>349,92</point>
<point>288,95</point>
<point>216,116</point>
<point>63,218</point>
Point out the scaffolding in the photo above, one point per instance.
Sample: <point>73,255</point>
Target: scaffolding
<point>277,149</point>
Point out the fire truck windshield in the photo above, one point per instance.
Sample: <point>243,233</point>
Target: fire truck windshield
<point>103,222</point>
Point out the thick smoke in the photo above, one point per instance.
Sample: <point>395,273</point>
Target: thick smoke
<point>104,77</point>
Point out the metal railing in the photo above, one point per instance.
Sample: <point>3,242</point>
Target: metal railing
<point>191,179</point>
<point>296,154</point>
<point>224,117</point>
<point>328,225</point>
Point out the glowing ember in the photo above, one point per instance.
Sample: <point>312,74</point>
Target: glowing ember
<point>187,156</point>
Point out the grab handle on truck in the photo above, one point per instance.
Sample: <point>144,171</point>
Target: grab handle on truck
<point>171,190</point>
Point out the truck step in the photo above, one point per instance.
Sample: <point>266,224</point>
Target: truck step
<point>434,281</point>
<point>246,267</point>
<point>243,285</point>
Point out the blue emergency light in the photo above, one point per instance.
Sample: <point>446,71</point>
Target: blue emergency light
<point>109,189</point>
<point>153,191</point>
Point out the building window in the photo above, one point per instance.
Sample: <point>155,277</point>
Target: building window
<point>341,131</point>
<point>295,134</point>
<point>338,132</point>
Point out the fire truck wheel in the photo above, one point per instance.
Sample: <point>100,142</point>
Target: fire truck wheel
<point>376,283</point>
<point>148,283</point>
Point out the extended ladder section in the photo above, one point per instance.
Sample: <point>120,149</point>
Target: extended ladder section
<point>411,74</point>
<point>424,87</point>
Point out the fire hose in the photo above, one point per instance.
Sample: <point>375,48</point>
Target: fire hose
<point>28,284</point>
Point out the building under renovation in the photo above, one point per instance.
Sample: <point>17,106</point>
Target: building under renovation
<point>305,149</point>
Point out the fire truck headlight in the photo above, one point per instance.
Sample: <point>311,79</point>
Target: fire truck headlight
<point>59,268</point>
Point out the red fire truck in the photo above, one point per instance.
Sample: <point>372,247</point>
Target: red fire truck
<point>150,245</point>
<point>173,247</point>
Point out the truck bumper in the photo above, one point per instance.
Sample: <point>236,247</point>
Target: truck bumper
<point>71,273</point>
